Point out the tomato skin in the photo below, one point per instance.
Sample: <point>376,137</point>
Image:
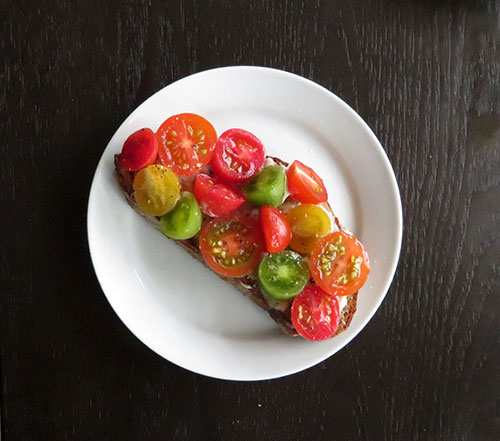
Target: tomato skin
<point>339,264</point>
<point>276,228</point>
<point>238,237</point>
<point>315,314</point>
<point>215,197</point>
<point>238,156</point>
<point>156,189</point>
<point>139,150</point>
<point>186,143</point>
<point>267,187</point>
<point>184,220</point>
<point>308,223</point>
<point>304,185</point>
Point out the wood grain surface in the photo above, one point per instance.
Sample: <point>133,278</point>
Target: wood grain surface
<point>425,75</point>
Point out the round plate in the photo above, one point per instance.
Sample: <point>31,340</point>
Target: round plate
<point>178,307</point>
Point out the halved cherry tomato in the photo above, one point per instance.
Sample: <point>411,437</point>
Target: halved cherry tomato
<point>156,189</point>
<point>305,185</point>
<point>139,150</point>
<point>315,314</point>
<point>238,155</point>
<point>232,246</point>
<point>339,263</point>
<point>308,222</point>
<point>276,228</point>
<point>187,143</point>
<point>214,197</point>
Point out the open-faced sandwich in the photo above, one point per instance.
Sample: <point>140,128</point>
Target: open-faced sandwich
<point>262,225</point>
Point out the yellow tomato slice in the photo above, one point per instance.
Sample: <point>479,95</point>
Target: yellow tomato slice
<point>156,189</point>
<point>303,245</point>
<point>308,222</point>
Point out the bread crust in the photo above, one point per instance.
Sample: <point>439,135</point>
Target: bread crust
<point>247,285</point>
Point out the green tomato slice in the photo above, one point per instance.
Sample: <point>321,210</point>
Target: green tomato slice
<point>267,187</point>
<point>184,221</point>
<point>283,275</point>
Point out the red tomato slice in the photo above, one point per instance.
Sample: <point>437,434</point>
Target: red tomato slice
<point>304,185</point>
<point>187,143</point>
<point>315,314</point>
<point>277,231</point>
<point>139,150</point>
<point>232,246</point>
<point>214,197</point>
<point>238,155</point>
<point>339,263</point>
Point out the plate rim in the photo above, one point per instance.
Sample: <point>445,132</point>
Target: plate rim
<point>395,194</point>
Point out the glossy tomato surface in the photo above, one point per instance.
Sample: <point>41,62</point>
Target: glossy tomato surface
<point>232,245</point>
<point>215,197</point>
<point>186,143</point>
<point>304,185</point>
<point>308,223</point>
<point>339,263</point>
<point>315,314</point>
<point>139,150</point>
<point>238,155</point>
<point>276,228</point>
<point>283,275</point>
<point>156,189</point>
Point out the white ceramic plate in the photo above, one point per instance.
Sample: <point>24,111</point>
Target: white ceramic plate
<point>182,310</point>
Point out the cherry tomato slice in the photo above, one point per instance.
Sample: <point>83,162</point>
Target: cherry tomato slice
<point>238,155</point>
<point>187,143</point>
<point>156,189</point>
<point>232,246</point>
<point>214,197</point>
<point>315,314</point>
<point>304,185</point>
<point>308,223</point>
<point>139,150</point>
<point>339,263</point>
<point>276,228</point>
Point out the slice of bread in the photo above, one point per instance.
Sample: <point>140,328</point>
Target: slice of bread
<point>248,285</point>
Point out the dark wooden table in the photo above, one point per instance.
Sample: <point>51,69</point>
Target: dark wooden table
<point>424,74</point>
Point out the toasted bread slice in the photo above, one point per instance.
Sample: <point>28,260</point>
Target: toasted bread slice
<point>247,285</point>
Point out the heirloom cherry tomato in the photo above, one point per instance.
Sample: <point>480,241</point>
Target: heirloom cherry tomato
<point>232,246</point>
<point>187,143</point>
<point>238,155</point>
<point>305,185</point>
<point>283,275</point>
<point>139,150</point>
<point>339,263</point>
<point>315,314</point>
<point>276,229</point>
<point>308,223</point>
<point>267,187</point>
<point>156,190</point>
<point>216,198</point>
<point>184,221</point>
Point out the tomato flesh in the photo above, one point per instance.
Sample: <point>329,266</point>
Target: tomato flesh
<point>238,155</point>
<point>339,263</point>
<point>232,246</point>
<point>315,314</point>
<point>186,143</point>
<point>304,185</point>
<point>139,150</point>
<point>276,228</point>
<point>283,275</point>
<point>215,197</point>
